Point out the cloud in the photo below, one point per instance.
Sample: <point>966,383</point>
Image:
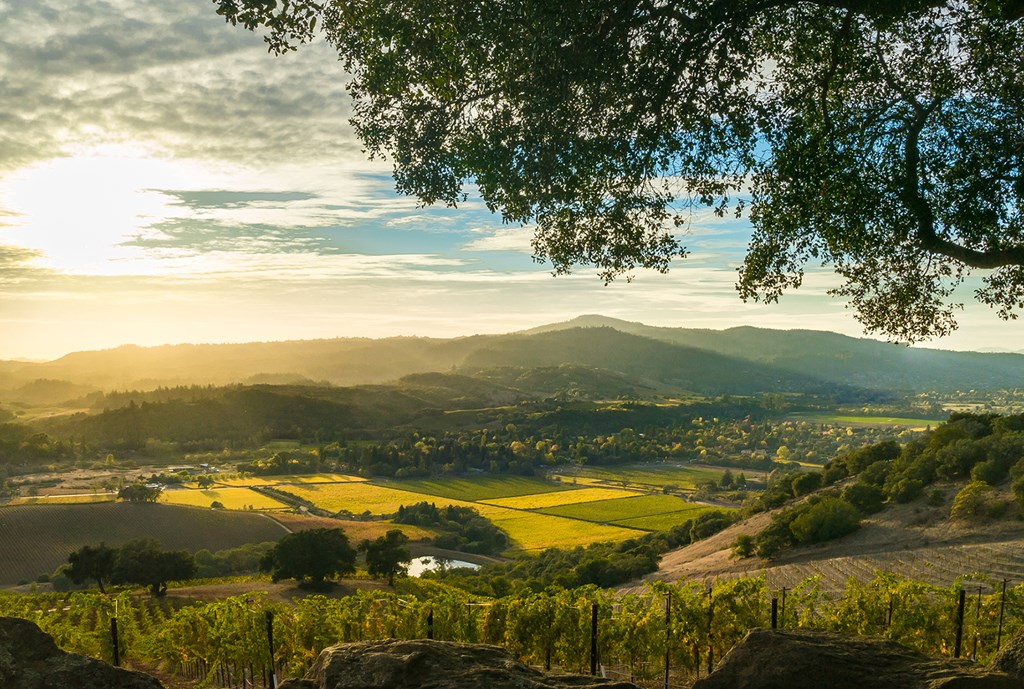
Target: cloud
<point>174,75</point>
<point>516,239</point>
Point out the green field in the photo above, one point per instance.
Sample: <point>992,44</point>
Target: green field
<point>685,476</point>
<point>608,511</point>
<point>664,522</point>
<point>35,539</point>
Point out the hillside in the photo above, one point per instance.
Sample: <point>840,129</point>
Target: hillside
<point>628,358</point>
<point>915,540</point>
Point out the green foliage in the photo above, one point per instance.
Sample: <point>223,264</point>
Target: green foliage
<point>138,492</point>
<point>865,497</point>
<point>387,556</point>
<point>825,520</point>
<point>91,562</point>
<point>743,546</point>
<point>144,562</point>
<point>464,528</point>
<point>806,483</point>
<point>244,559</point>
<point>315,554</point>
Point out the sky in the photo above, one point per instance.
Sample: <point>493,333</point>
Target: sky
<point>163,179</point>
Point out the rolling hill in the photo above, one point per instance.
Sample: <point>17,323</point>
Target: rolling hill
<point>628,358</point>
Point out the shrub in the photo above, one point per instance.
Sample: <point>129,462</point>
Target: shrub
<point>976,501</point>
<point>866,498</point>
<point>826,519</point>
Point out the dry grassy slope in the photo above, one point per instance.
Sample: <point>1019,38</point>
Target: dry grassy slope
<point>914,540</point>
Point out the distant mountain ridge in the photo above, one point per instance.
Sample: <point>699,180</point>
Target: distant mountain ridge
<point>609,354</point>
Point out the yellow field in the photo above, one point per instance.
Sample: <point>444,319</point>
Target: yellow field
<point>63,499</point>
<point>277,480</point>
<point>231,498</point>
<point>562,497</point>
<point>356,497</point>
<point>530,531</point>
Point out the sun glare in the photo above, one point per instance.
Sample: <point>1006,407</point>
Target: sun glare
<point>80,210</point>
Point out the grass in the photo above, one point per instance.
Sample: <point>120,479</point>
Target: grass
<point>478,488</point>
<point>622,508</point>
<point>560,497</point>
<point>231,498</point>
<point>35,539</point>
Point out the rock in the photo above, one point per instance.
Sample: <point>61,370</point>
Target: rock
<point>812,659</point>
<point>29,659</point>
<point>424,664</point>
<point>1010,658</point>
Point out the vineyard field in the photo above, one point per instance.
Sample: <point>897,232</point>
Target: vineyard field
<point>36,539</point>
<point>622,508</point>
<point>482,488</point>
<point>80,499</point>
<point>683,476</point>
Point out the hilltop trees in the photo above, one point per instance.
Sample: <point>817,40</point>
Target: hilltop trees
<point>92,562</point>
<point>387,556</point>
<point>144,562</point>
<point>313,555</point>
<point>880,138</point>
<point>138,492</point>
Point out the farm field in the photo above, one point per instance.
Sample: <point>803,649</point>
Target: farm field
<point>622,508</point>
<point>36,539</point>
<point>355,530</point>
<point>231,498</point>
<point>857,420</point>
<point>529,531</point>
<point>79,499</point>
<point>664,521</point>
<point>275,480</point>
<point>560,497</point>
<point>486,488</point>
<point>655,476</point>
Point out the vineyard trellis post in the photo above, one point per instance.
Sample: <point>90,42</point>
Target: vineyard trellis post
<point>1002,609</point>
<point>711,617</point>
<point>270,647</point>
<point>113,640</point>
<point>430,623</point>
<point>668,633</point>
<point>775,612</point>
<point>977,627</point>
<point>961,599</point>
<point>782,617</point>
<point>593,639</point>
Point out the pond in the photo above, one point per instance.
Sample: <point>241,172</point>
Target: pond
<point>426,563</point>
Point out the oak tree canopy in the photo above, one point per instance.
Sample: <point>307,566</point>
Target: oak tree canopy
<point>883,138</point>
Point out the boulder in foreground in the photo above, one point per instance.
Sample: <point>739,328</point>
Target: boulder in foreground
<point>423,664</point>
<point>29,659</point>
<point>813,659</point>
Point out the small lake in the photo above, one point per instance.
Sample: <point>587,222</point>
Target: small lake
<point>420,565</point>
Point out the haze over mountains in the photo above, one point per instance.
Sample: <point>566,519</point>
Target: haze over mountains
<point>621,356</point>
